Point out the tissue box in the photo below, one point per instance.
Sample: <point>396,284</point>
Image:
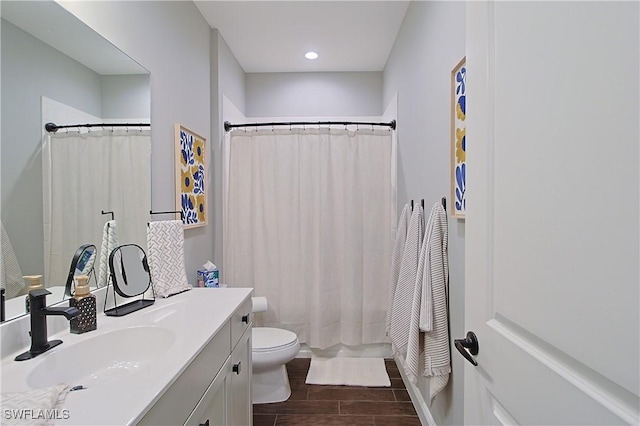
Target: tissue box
<point>207,278</point>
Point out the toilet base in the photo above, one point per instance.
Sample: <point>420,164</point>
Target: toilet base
<point>270,386</point>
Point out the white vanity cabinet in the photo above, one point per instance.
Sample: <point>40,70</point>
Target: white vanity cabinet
<point>215,389</point>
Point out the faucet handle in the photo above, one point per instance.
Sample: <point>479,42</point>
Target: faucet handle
<point>39,292</point>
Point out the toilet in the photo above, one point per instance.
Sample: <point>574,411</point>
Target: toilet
<point>272,348</point>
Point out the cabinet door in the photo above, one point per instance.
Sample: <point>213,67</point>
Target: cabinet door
<point>212,410</point>
<point>239,391</point>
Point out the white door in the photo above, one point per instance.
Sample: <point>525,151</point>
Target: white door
<point>552,223</point>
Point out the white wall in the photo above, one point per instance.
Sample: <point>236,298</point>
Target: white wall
<point>170,39</point>
<point>125,96</point>
<point>313,94</point>
<point>32,69</point>
<point>430,43</point>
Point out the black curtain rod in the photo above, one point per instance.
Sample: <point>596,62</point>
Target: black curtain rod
<point>228,126</point>
<point>53,127</point>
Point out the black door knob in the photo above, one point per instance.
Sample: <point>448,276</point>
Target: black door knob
<point>468,347</point>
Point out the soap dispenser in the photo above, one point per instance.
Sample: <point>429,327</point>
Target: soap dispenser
<point>86,303</point>
<point>34,284</point>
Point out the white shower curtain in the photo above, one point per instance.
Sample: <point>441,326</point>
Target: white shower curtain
<point>83,174</point>
<point>307,224</point>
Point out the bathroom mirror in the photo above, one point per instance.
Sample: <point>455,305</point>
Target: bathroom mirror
<point>57,69</point>
<point>130,277</point>
<point>83,263</point>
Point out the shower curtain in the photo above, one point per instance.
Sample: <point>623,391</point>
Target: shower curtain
<point>83,174</point>
<point>307,223</point>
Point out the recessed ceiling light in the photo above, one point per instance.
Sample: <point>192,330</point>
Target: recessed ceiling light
<point>311,55</point>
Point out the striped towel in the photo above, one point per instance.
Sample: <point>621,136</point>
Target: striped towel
<point>41,400</point>
<point>109,242</point>
<point>10,273</point>
<point>403,297</point>
<point>396,258</point>
<point>429,308</point>
<point>165,242</point>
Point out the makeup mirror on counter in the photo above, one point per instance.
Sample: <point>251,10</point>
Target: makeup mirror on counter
<point>57,69</point>
<point>130,277</point>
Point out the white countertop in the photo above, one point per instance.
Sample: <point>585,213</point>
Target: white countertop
<point>194,317</point>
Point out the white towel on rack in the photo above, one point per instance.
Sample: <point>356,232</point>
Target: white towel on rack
<point>109,242</point>
<point>429,308</point>
<point>165,243</point>
<point>396,258</point>
<point>403,297</point>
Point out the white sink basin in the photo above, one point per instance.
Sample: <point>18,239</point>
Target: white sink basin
<point>103,358</point>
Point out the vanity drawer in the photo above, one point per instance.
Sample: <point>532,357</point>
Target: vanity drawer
<point>240,321</point>
<point>177,403</point>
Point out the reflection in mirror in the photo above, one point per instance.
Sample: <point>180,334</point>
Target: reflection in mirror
<point>57,69</point>
<point>82,264</point>
<point>130,278</point>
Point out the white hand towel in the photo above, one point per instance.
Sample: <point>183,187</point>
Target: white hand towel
<point>165,243</point>
<point>109,242</point>
<point>429,307</point>
<point>403,297</point>
<point>396,259</point>
<point>35,406</point>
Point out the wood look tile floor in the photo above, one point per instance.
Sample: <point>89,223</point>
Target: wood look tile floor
<point>339,405</point>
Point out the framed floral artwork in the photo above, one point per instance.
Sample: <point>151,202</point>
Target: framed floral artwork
<point>191,177</point>
<point>458,140</point>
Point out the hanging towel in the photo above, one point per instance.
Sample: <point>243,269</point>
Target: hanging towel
<point>429,307</point>
<point>165,243</point>
<point>403,297</point>
<point>10,274</point>
<point>109,242</point>
<point>396,259</point>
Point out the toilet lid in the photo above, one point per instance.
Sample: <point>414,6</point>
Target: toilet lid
<point>267,338</point>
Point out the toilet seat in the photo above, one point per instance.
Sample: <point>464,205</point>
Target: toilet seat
<point>267,339</point>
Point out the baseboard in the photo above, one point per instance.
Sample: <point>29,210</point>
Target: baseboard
<point>421,406</point>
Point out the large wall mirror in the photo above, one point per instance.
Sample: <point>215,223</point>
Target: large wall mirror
<point>55,197</point>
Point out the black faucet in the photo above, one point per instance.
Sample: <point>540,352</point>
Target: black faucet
<point>39,312</point>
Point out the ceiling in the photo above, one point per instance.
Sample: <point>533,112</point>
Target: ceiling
<point>273,36</point>
<point>55,26</point>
